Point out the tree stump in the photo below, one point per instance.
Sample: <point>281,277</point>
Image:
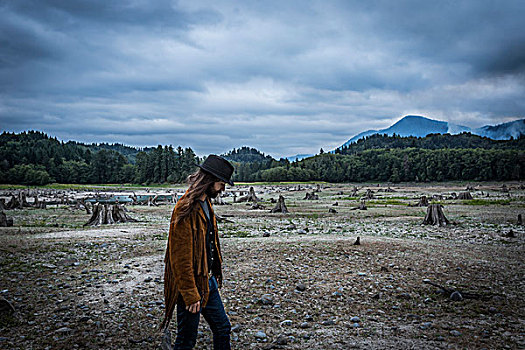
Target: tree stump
<point>280,207</point>
<point>369,194</point>
<point>108,214</point>
<point>5,221</point>
<point>250,197</point>
<point>318,189</point>
<point>13,203</point>
<point>354,191</point>
<point>423,202</point>
<point>311,196</point>
<point>435,216</point>
<point>465,195</point>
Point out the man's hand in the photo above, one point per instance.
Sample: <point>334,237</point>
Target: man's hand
<point>194,308</point>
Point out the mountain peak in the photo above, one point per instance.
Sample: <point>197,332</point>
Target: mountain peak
<point>419,126</point>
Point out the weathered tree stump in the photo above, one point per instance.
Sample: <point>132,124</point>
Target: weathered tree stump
<point>354,191</point>
<point>219,201</point>
<point>5,221</point>
<point>469,188</point>
<point>250,197</point>
<point>369,194</point>
<point>311,196</point>
<point>423,202</point>
<point>318,188</point>
<point>280,207</point>
<point>108,214</point>
<point>465,195</point>
<point>357,241</point>
<point>435,216</point>
<point>13,203</point>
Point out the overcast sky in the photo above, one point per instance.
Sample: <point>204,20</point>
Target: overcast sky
<point>285,77</point>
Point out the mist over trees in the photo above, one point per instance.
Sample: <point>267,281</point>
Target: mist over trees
<point>34,158</point>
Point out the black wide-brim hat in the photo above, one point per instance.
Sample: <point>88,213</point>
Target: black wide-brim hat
<point>218,167</point>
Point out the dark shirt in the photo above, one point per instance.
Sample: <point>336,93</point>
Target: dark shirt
<point>210,238</point>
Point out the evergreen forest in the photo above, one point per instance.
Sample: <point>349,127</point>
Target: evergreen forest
<point>34,158</point>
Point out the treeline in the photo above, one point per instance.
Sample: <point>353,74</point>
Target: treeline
<point>433,141</point>
<point>410,164</point>
<point>34,158</point>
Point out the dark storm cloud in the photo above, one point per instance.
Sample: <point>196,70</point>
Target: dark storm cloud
<point>284,76</point>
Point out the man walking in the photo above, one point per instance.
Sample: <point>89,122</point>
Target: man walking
<point>193,261</point>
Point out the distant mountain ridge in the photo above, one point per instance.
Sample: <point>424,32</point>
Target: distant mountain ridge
<point>414,125</point>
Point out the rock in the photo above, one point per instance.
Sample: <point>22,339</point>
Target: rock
<point>266,234</point>
<point>355,325</point>
<point>148,279</point>
<point>355,319</point>
<point>328,323</point>
<point>260,335</point>
<point>267,299</point>
<point>281,340</point>
<point>301,287</point>
<point>63,330</point>
<point>236,328</point>
<point>286,323</point>
<point>304,325</point>
<point>455,333</point>
<point>301,232</point>
<point>456,296</point>
<point>6,308</point>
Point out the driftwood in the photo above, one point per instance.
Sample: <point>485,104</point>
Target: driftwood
<point>311,196</point>
<point>255,206</point>
<point>423,202</point>
<point>280,207</point>
<point>108,214</point>
<point>465,195</point>
<point>389,190</point>
<point>362,206</point>
<point>222,219</point>
<point>5,221</point>
<point>250,197</point>
<point>435,216</point>
<point>469,188</point>
<point>454,294</point>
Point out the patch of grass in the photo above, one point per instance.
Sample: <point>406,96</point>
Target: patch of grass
<point>388,201</point>
<point>479,201</point>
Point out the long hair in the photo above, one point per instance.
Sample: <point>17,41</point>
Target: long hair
<point>198,182</point>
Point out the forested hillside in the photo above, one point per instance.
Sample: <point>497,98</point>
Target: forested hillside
<point>35,158</point>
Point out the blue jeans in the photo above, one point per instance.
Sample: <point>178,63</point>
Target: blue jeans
<point>214,314</point>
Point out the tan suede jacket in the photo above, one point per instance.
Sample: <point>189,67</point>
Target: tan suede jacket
<point>186,265</point>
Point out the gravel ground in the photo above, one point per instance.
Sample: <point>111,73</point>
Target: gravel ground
<point>292,281</point>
